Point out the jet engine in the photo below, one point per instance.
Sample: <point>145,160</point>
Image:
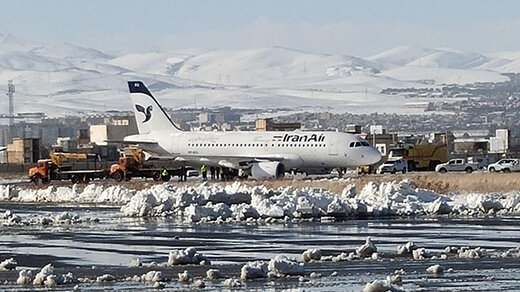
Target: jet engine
<point>268,170</point>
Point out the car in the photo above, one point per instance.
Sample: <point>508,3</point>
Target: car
<point>393,166</point>
<point>505,165</point>
<point>457,164</point>
<point>192,172</point>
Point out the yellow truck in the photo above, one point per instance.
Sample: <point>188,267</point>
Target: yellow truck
<point>421,156</point>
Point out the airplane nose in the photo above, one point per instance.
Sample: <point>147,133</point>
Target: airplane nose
<point>373,156</point>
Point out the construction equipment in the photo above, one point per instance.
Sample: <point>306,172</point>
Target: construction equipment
<point>77,167</point>
<point>133,164</point>
<point>421,156</point>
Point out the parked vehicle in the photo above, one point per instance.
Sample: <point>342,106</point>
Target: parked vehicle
<point>192,172</point>
<point>505,165</point>
<point>457,164</point>
<point>364,169</point>
<point>133,164</point>
<point>421,156</point>
<point>76,167</point>
<point>393,166</point>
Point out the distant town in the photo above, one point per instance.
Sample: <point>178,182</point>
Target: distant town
<point>481,119</point>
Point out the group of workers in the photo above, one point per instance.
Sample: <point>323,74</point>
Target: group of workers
<point>218,173</point>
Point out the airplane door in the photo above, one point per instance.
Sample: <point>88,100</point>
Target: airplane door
<point>333,145</point>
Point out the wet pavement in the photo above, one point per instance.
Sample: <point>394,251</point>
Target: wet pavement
<point>114,241</point>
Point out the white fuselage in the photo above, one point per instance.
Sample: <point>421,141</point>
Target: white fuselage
<point>296,150</point>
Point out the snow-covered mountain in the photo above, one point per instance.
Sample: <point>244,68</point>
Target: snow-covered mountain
<point>65,78</point>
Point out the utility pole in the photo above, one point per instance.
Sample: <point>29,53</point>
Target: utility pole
<point>10,93</point>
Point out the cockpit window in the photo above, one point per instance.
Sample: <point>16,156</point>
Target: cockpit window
<point>365,143</point>
<point>358,144</point>
<point>352,144</point>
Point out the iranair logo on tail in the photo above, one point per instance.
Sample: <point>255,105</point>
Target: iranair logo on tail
<point>147,113</point>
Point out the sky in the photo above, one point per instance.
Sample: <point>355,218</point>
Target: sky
<point>360,28</point>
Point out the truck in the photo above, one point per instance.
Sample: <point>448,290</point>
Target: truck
<point>132,164</point>
<point>457,164</point>
<point>505,165</point>
<point>76,167</point>
<point>421,156</point>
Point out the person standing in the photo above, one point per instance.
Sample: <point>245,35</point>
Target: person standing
<point>204,171</point>
<point>212,172</point>
<point>183,173</point>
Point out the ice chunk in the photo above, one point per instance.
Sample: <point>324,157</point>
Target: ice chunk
<point>184,277</point>
<point>367,249</point>
<point>232,283</point>
<point>105,278</point>
<point>420,254</point>
<point>152,277</point>
<point>135,263</point>
<point>406,248</point>
<point>254,270</point>
<point>187,256</point>
<point>213,274</point>
<point>311,255</point>
<point>282,266</point>
<point>40,278</point>
<point>435,269</point>
<point>199,284</point>
<point>8,264</point>
<point>24,277</point>
<point>377,286</point>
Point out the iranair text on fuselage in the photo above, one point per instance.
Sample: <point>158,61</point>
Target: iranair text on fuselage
<point>300,138</point>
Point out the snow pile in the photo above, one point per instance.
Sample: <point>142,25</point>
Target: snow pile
<point>91,193</point>
<point>187,257</point>
<point>12,219</point>
<point>46,277</point>
<point>254,270</point>
<point>311,255</point>
<point>282,266</point>
<point>239,202</point>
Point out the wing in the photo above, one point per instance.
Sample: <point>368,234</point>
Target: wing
<point>234,161</point>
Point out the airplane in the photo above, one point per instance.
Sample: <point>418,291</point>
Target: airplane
<point>260,155</point>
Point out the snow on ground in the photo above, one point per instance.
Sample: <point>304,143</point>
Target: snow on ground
<point>240,202</point>
<point>74,79</point>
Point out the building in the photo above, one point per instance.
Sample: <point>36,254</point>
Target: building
<point>23,150</point>
<point>267,124</point>
<point>100,134</point>
<point>501,142</point>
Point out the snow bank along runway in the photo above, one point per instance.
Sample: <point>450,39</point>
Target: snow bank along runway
<point>98,232</point>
